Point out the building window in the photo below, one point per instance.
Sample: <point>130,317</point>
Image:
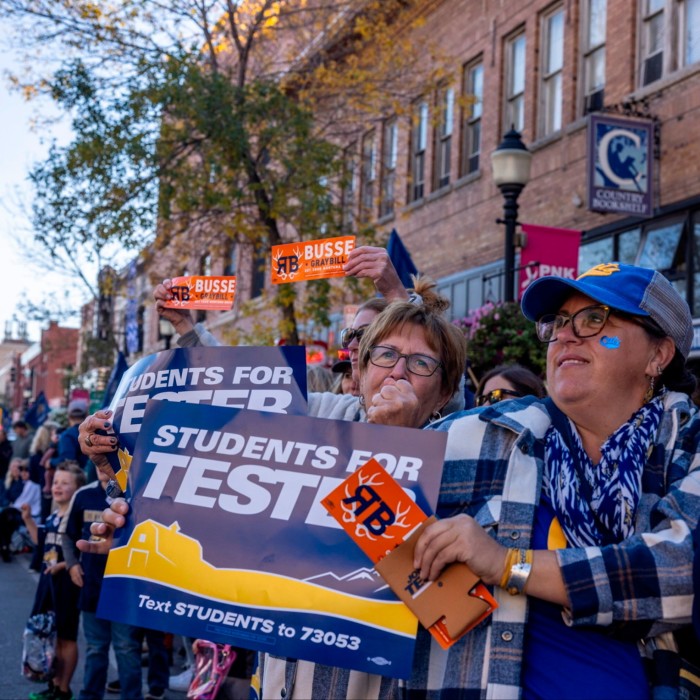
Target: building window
<point>689,31</point>
<point>231,258</point>
<point>443,137</point>
<point>670,37</point>
<point>257,283</point>
<point>390,142</point>
<point>593,45</point>
<point>349,188</point>
<point>652,38</point>
<point>419,141</point>
<point>369,174</point>
<point>473,90</point>
<point>551,73</point>
<point>515,83</point>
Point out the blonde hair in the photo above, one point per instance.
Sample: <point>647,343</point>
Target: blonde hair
<point>41,441</point>
<point>8,476</point>
<point>444,338</point>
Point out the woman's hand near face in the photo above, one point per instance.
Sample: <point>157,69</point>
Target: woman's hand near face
<point>396,403</point>
<point>113,518</point>
<point>459,539</point>
<point>180,318</point>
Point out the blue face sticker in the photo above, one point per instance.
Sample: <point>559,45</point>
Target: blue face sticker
<point>610,343</point>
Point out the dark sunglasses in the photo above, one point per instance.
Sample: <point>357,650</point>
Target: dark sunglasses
<point>24,469</point>
<point>347,335</point>
<point>495,396</point>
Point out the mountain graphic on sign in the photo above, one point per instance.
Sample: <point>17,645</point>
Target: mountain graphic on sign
<point>355,582</point>
<point>166,556</point>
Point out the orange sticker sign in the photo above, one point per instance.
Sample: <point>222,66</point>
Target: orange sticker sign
<point>374,510</point>
<point>385,523</point>
<point>310,260</point>
<point>208,293</point>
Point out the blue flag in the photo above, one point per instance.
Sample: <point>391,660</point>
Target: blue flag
<point>114,378</point>
<point>38,412</point>
<point>401,259</point>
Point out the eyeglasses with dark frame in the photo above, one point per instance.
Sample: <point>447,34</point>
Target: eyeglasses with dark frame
<point>347,335</point>
<point>422,365</point>
<point>585,323</point>
<point>496,395</point>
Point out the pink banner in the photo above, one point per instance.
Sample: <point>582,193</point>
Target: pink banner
<point>548,251</point>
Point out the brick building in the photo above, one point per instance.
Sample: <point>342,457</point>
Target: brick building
<point>543,67</point>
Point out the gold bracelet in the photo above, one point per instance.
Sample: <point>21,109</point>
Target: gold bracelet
<point>511,555</point>
<point>520,572</point>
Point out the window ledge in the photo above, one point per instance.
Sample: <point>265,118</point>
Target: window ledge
<point>468,178</point>
<point>386,218</point>
<point>437,194</point>
<point>665,82</point>
<point>415,204</point>
<point>545,141</point>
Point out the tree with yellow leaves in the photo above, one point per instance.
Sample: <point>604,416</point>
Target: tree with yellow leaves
<point>202,121</point>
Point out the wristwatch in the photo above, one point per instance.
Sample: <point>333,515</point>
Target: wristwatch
<point>519,572</point>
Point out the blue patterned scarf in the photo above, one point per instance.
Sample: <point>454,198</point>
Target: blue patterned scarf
<point>596,504</point>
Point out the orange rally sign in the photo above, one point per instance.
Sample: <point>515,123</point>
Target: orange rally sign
<point>310,260</point>
<point>208,293</point>
<point>384,522</point>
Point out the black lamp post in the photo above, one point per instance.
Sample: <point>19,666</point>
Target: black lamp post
<point>510,165</point>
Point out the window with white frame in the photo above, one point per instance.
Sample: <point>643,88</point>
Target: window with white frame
<point>473,91</point>
<point>368,173</point>
<point>443,137</point>
<point>669,37</point>
<point>689,31</point>
<point>551,72</point>
<point>419,142</point>
<point>595,14</point>
<point>230,258</point>
<point>390,144</point>
<point>515,83</point>
<point>349,189</point>
<point>652,40</point>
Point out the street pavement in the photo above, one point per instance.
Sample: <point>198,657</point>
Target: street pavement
<point>17,586</point>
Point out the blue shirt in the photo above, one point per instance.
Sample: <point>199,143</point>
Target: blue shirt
<point>567,663</point>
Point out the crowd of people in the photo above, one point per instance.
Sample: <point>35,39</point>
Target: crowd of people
<point>575,499</point>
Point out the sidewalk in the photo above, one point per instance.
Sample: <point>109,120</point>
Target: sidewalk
<point>17,586</point>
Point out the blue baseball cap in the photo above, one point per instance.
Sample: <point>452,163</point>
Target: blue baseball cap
<point>634,290</point>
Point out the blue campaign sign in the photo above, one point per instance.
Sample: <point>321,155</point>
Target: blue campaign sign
<point>228,539</point>
<point>257,378</point>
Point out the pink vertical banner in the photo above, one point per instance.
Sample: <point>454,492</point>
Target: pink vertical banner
<point>548,251</point>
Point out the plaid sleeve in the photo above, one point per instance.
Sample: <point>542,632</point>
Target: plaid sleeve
<point>645,583</point>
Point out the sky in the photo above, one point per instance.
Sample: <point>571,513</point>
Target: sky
<point>20,148</point>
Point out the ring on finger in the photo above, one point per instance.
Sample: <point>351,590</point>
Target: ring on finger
<point>88,441</point>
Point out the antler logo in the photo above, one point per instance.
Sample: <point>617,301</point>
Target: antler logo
<point>288,265</point>
<point>604,270</point>
<point>372,516</point>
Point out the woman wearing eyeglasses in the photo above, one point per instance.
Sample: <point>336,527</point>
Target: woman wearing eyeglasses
<point>577,509</point>
<point>508,382</point>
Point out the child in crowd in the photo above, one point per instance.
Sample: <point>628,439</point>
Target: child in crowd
<point>56,591</point>
<point>87,572</point>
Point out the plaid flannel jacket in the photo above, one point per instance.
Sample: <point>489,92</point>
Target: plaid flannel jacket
<point>638,588</point>
<point>493,472</point>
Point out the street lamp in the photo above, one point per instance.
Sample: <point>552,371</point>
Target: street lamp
<point>510,166</point>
